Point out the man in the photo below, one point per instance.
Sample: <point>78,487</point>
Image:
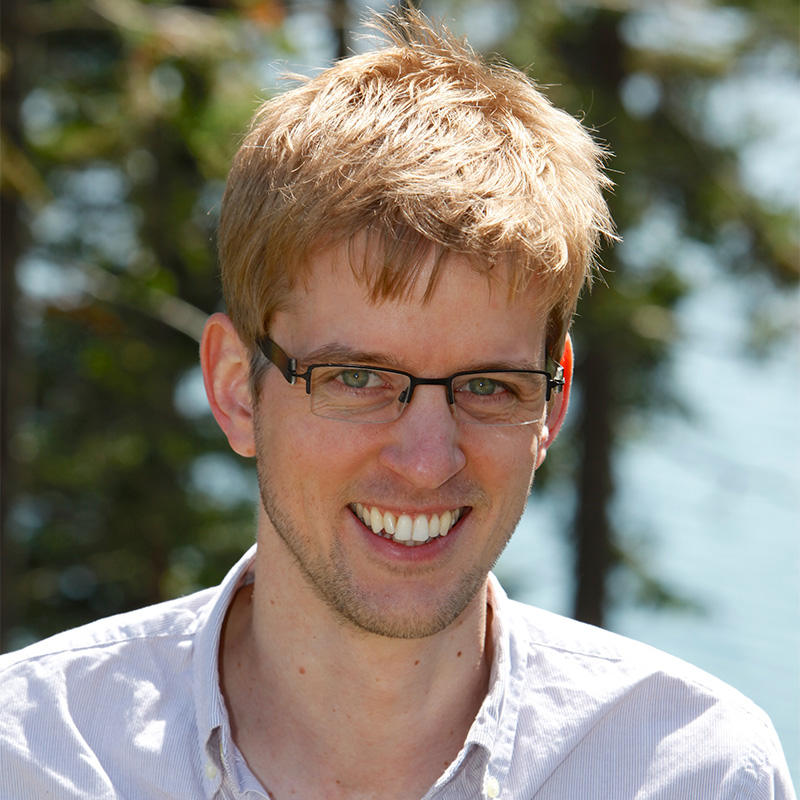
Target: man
<point>403,241</point>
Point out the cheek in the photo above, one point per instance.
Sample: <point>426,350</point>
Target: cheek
<point>503,465</point>
<point>507,454</point>
<point>341,445</point>
<point>312,452</point>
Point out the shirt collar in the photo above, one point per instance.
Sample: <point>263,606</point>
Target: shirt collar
<point>503,701</point>
<point>213,726</point>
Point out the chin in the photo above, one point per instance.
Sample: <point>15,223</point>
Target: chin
<point>382,613</point>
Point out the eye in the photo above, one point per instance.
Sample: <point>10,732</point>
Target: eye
<point>358,378</point>
<point>484,386</point>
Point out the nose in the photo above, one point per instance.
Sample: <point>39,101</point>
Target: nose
<point>425,444</point>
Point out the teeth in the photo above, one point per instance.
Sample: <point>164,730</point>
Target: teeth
<point>420,533</point>
<point>405,528</point>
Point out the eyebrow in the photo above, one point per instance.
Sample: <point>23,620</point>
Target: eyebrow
<point>337,353</point>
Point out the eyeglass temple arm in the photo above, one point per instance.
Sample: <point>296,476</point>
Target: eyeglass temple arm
<point>287,365</point>
<point>556,383</point>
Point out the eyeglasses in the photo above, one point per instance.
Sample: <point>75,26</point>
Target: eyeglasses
<point>359,393</point>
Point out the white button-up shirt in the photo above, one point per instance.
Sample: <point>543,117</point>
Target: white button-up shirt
<point>130,707</point>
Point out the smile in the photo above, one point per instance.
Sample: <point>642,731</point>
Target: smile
<point>405,528</point>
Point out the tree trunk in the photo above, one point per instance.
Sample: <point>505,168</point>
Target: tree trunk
<point>9,253</point>
<point>596,487</point>
<point>340,23</point>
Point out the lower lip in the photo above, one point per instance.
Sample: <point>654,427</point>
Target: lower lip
<point>399,551</point>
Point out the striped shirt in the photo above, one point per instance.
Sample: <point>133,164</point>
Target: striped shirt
<point>130,707</point>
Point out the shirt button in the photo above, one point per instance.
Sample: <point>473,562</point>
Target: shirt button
<point>211,771</point>
<point>491,787</point>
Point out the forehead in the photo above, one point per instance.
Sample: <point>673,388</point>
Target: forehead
<point>468,319</point>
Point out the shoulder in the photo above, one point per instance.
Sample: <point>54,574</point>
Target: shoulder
<point>617,663</point>
<point>143,629</point>
<point>83,697</point>
<point>611,701</point>
<point>97,655</point>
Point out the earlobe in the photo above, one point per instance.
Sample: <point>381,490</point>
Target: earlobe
<point>558,409</point>
<point>226,370</point>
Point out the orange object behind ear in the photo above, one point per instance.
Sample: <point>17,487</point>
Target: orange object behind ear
<point>567,362</point>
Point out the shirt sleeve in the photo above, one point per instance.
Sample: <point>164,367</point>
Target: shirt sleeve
<point>773,781</point>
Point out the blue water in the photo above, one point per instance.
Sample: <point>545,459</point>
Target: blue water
<point>713,505</point>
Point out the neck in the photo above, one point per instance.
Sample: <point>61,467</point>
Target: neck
<point>315,702</point>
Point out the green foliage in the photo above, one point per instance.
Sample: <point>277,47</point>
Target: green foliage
<point>131,113</point>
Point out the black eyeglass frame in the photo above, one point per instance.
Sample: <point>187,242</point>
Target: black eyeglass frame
<point>288,368</point>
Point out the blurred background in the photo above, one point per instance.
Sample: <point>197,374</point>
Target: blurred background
<point>670,509</point>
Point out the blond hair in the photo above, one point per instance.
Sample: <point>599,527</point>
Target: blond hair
<point>420,148</point>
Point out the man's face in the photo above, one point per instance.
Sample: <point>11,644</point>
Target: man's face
<point>317,475</point>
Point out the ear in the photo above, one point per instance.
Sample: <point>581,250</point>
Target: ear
<point>225,362</point>
<point>558,408</point>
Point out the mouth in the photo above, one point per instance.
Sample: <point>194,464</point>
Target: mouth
<point>408,529</point>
